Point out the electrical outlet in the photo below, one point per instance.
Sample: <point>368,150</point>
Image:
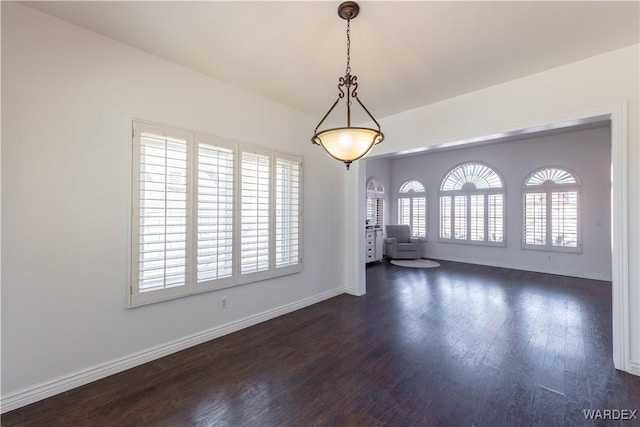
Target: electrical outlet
<point>223,302</point>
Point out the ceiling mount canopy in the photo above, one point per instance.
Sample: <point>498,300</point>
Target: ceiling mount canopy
<point>348,10</point>
<point>348,144</point>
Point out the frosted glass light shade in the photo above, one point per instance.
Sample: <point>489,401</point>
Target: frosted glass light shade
<point>348,144</point>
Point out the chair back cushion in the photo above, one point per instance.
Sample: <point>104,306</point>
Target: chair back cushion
<point>400,232</point>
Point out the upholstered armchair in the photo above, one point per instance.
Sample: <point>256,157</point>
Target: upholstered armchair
<point>399,243</point>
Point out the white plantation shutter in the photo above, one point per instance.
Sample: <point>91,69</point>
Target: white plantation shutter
<point>375,210</point>
<point>209,213</point>
<point>445,217</point>
<point>535,219</point>
<point>460,217</point>
<point>160,214</point>
<point>419,216</point>
<point>476,217</point>
<point>215,212</point>
<point>371,208</point>
<point>495,226</point>
<point>287,211</point>
<point>163,219</point>
<point>564,219</point>
<point>255,227</point>
<point>379,211</point>
<point>404,211</point>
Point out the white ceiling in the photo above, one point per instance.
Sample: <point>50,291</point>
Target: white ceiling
<point>405,54</point>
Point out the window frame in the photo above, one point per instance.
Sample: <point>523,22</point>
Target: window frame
<point>468,194</point>
<point>194,140</point>
<point>411,195</point>
<point>548,189</point>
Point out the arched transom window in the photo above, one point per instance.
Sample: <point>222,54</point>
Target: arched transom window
<point>551,210</point>
<point>471,176</point>
<point>472,205</point>
<point>412,207</point>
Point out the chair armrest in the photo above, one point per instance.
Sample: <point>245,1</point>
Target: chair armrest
<point>391,240</point>
<point>416,240</point>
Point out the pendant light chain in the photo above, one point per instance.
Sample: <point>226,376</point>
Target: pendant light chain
<point>348,46</point>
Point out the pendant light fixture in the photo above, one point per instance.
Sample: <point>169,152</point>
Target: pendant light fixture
<point>348,143</point>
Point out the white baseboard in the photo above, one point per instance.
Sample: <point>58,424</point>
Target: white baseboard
<point>536,269</point>
<point>634,368</point>
<point>50,388</point>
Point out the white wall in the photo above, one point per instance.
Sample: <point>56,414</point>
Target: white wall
<point>587,153</point>
<point>581,89</point>
<point>68,98</point>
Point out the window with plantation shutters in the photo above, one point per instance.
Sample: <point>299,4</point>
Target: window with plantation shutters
<point>471,205</point>
<point>287,212</point>
<point>412,207</point>
<point>551,210</point>
<point>209,213</point>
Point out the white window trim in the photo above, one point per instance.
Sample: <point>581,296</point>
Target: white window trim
<point>549,189</point>
<point>191,287</point>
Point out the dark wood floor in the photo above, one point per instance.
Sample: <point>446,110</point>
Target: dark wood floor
<point>458,345</point>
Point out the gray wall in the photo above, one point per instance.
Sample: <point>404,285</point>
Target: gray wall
<point>585,152</point>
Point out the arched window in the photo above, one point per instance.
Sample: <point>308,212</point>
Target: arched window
<point>412,207</point>
<point>375,202</point>
<point>472,205</point>
<point>551,210</point>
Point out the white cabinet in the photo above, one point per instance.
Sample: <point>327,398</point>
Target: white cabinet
<point>373,244</point>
